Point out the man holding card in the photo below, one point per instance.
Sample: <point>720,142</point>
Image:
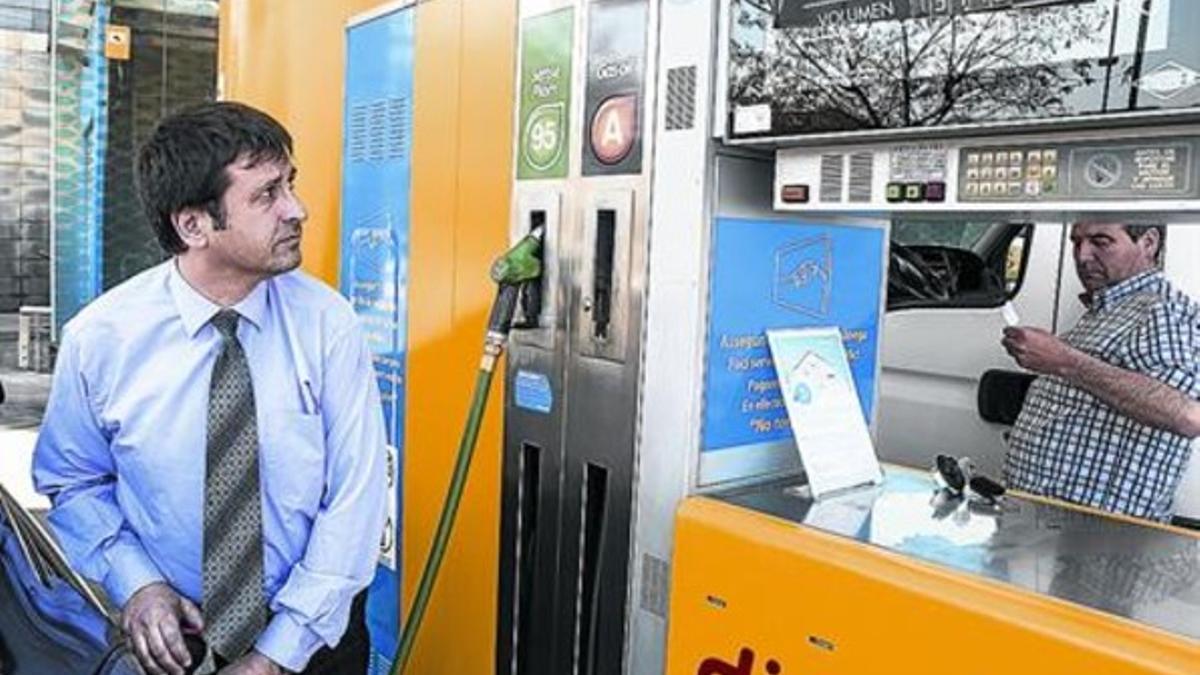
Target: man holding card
<point>1106,425</point>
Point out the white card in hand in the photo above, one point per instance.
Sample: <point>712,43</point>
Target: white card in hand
<point>1010,314</point>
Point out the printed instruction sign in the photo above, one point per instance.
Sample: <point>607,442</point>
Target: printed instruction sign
<point>826,418</point>
<point>376,191</point>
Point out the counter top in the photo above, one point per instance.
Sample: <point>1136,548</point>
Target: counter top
<point>1145,573</point>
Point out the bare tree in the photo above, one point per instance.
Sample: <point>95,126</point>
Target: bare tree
<point>923,71</point>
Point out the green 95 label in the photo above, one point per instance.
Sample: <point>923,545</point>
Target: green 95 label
<point>543,136</point>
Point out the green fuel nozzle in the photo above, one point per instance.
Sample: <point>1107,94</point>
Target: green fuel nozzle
<point>517,271</point>
<point>522,262</point>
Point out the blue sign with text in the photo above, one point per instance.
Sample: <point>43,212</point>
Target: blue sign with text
<point>376,172</point>
<point>769,274</point>
<point>532,392</point>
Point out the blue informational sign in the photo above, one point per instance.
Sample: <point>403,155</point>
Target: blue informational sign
<point>376,172</point>
<point>532,391</point>
<point>769,274</point>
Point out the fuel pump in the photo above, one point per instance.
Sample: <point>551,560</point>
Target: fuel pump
<point>517,274</point>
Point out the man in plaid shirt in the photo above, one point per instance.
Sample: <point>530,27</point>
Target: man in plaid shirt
<point>1102,426</point>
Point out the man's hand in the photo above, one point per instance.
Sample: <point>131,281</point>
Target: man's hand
<point>1040,351</point>
<point>253,663</point>
<point>154,620</point>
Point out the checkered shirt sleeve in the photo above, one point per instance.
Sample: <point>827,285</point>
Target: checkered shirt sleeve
<point>1069,445</point>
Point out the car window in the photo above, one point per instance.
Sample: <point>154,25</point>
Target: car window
<point>957,235</point>
<point>956,263</point>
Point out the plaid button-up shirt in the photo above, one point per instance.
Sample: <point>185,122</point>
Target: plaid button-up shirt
<point>1070,445</point>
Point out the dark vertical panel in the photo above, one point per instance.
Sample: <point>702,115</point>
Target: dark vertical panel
<point>173,64</point>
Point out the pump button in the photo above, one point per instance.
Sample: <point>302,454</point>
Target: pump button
<point>895,192</point>
<point>794,194</point>
<point>914,192</point>
<point>935,191</point>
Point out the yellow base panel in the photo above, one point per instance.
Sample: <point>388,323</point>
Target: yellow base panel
<point>755,595</point>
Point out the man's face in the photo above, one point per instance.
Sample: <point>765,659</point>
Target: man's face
<point>1106,254</point>
<point>263,215</point>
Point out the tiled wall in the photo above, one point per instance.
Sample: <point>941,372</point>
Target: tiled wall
<point>24,154</point>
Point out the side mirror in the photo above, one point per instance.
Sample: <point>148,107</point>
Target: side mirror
<point>1001,395</point>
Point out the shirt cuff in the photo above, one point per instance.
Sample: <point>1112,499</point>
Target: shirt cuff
<point>288,643</point>
<point>129,570</point>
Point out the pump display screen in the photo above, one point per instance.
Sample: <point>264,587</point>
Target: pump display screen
<point>800,67</point>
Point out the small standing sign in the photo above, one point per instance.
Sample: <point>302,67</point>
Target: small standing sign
<point>826,418</point>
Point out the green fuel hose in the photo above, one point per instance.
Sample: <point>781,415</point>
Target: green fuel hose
<point>466,449</point>
<point>518,267</point>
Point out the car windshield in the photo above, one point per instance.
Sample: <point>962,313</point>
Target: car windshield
<point>950,234</point>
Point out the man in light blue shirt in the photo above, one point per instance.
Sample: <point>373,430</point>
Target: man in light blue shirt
<point>213,444</point>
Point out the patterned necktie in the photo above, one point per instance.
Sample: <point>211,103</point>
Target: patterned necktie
<point>235,609</point>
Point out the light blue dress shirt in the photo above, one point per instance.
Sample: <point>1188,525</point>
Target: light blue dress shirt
<point>121,452</point>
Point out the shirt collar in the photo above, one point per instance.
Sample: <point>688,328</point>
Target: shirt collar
<point>196,310</point>
<point>1135,284</point>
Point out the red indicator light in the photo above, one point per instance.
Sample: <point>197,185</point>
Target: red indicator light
<point>794,194</point>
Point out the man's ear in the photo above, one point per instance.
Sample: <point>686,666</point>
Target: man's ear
<point>1151,243</point>
<point>193,226</point>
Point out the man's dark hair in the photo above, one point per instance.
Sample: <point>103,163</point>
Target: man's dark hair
<point>1136,232</point>
<point>183,163</point>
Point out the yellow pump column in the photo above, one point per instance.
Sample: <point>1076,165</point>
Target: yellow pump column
<point>288,57</point>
